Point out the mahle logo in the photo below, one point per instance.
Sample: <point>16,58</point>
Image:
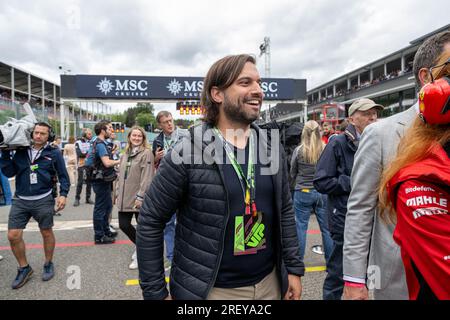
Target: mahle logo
<point>105,86</point>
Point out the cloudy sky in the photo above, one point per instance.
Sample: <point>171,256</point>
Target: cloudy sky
<point>316,40</point>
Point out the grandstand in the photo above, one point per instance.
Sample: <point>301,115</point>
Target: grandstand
<point>388,81</point>
<point>18,86</point>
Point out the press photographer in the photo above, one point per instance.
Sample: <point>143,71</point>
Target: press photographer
<point>103,174</point>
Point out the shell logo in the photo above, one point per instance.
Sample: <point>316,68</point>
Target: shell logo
<point>421,102</point>
<point>421,94</point>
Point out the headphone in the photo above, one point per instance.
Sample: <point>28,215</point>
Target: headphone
<point>84,133</point>
<point>51,133</point>
<point>434,102</point>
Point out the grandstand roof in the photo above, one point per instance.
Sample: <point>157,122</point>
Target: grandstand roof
<point>422,38</point>
<point>7,64</point>
<point>413,45</point>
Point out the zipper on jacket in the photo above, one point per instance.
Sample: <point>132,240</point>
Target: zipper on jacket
<point>123,192</point>
<point>125,176</point>
<point>216,271</point>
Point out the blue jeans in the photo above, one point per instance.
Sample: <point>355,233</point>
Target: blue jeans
<point>169,237</point>
<point>333,286</point>
<point>6,189</point>
<point>102,208</point>
<point>304,203</point>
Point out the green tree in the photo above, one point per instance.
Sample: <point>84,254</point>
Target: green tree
<point>131,113</point>
<point>143,119</point>
<point>183,123</point>
<point>56,125</point>
<point>145,106</point>
<point>118,117</point>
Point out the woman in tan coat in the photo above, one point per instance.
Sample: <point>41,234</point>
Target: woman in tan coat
<point>135,175</point>
<point>70,155</point>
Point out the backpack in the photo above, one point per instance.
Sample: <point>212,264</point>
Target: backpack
<point>95,168</point>
<point>90,157</point>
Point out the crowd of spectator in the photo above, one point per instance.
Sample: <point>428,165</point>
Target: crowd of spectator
<point>364,84</point>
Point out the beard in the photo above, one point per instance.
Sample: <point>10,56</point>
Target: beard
<point>237,112</point>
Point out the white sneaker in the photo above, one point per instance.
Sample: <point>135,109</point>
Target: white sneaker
<point>134,256</point>
<point>318,249</point>
<point>133,265</point>
<point>1,258</point>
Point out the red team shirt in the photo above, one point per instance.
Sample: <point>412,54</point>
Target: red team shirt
<point>421,197</point>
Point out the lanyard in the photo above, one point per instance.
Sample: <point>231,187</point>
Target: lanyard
<point>38,154</point>
<point>167,145</point>
<point>249,192</point>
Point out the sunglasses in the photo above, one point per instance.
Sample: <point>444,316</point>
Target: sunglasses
<point>445,70</point>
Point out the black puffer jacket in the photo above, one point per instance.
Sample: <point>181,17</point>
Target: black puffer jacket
<point>196,189</point>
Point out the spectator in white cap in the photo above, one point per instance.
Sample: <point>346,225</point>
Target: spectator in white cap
<point>363,112</point>
<point>332,178</point>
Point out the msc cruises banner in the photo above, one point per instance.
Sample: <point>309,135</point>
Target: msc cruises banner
<point>163,88</point>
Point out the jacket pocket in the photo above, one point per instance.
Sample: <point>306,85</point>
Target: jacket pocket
<point>337,221</point>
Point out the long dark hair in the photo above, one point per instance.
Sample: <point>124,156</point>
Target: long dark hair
<point>222,74</point>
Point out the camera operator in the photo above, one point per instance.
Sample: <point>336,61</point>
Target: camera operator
<point>34,168</point>
<point>102,175</point>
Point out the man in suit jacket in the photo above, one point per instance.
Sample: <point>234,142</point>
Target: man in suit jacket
<point>370,253</point>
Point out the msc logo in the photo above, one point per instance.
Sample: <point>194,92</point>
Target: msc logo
<point>105,86</point>
<point>124,88</point>
<point>270,89</point>
<point>190,89</point>
<point>174,87</point>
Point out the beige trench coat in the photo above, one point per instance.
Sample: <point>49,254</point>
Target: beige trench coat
<point>135,175</point>
<point>71,154</point>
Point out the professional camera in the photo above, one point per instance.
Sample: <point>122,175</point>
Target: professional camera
<point>17,133</point>
<point>107,175</point>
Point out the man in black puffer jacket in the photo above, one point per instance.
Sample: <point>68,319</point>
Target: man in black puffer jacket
<point>235,235</point>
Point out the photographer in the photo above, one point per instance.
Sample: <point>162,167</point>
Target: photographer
<point>82,147</point>
<point>34,168</point>
<point>102,175</point>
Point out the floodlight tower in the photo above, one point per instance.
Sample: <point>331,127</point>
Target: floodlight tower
<point>265,49</point>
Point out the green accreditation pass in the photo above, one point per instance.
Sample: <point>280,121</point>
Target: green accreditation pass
<point>249,234</point>
<point>249,228</point>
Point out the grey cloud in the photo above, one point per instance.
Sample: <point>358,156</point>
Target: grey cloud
<point>316,40</point>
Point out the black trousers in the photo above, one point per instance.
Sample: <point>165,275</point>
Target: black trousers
<point>81,175</point>
<point>126,226</point>
<point>333,286</point>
